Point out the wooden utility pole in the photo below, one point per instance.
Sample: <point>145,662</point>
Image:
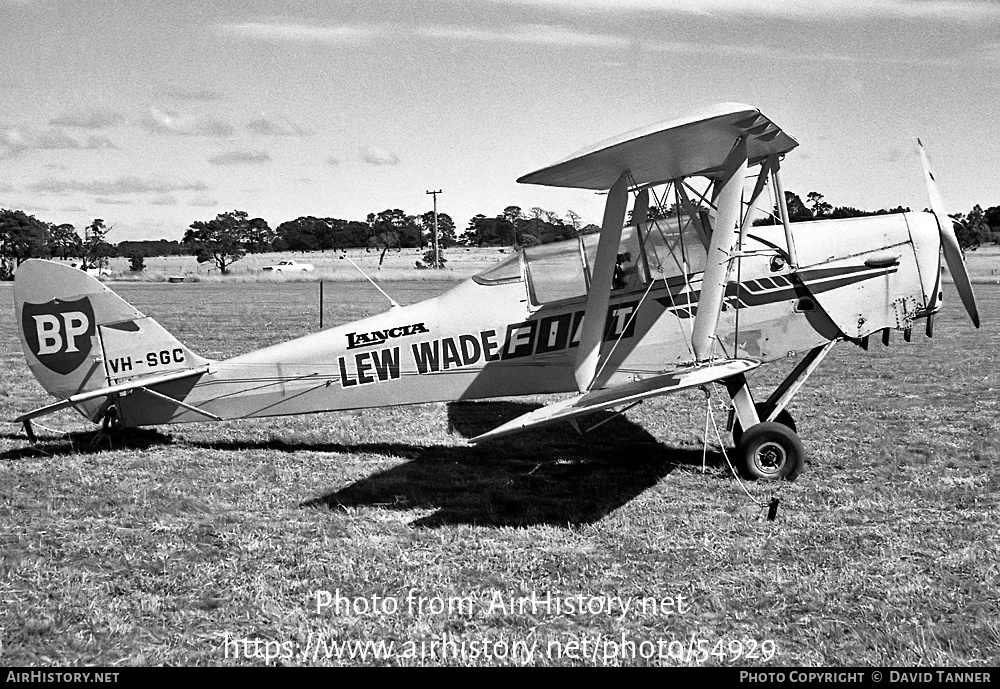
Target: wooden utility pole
<point>437,260</point>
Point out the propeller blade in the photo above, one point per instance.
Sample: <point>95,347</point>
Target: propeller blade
<point>949,242</point>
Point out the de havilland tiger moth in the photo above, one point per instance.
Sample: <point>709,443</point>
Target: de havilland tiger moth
<point>690,293</point>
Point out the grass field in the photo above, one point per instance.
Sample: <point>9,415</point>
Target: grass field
<point>204,544</point>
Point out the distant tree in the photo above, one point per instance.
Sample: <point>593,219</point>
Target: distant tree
<point>816,204</point>
<point>428,259</point>
<point>513,213</point>
<point>507,232</point>
<point>302,234</point>
<point>536,213</point>
<point>815,208</point>
<point>890,211</point>
<point>64,242</point>
<point>222,240</point>
<point>446,229</point>
<point>149,247</point>
<point>394,229</point>
<point>992,217</point>
<point>96,251</point>
<point>846,212</point>
<point>350,233</point>
<point>574,220</point>
<point>797,211</point>
<point>482,231</point>
<point>137,262</point>
<point>972,230</point>
<point>22,236</point>
<point>259,236</point>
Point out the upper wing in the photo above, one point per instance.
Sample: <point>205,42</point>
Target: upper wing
<point>696,145</point>
<point>663,384</point>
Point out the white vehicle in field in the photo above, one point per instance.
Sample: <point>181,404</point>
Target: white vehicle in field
<point>290,267</point>
<point>93,271</point>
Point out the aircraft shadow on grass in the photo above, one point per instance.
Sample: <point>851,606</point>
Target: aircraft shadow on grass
<point>549,476</point>
<point>86,442</point>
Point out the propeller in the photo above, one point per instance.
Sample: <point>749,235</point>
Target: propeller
<point>949,242</point>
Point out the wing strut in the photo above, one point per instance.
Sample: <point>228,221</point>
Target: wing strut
<point>779,192</point>
<point>725,234</point>
<point>595,317</point>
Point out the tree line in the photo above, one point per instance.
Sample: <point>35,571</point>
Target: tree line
<point>229,236</point>
<point>973,229</point>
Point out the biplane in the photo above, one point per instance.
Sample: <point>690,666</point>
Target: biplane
<point>689,293</point>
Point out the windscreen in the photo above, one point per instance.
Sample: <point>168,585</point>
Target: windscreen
<point>506,271</point>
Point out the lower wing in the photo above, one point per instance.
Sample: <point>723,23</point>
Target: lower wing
<point>661,384</point>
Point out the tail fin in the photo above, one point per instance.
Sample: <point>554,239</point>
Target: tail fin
<point>78,336</point>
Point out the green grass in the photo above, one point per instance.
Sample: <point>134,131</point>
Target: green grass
<point>884,552</point>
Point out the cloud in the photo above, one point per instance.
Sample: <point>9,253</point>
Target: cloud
<point>27,207</point>
<point>123,185</point>
<point>802,10</point>
<point>773,52</point>
<point>87,119</point>
<point>164,200</point>
<point>167,122</point>
<point>191,94</point>
<point>16,140</point>
<point>268,127</point>
<point>279,30</point>
<point>54,138</point>
<point>99,143</point>
<point>241,158</point>
<point>112,202</point>
<point>376,155</point>
<point>989,52</point>
<point>558,36</point>
<point>203,202</point>
<point>332,161</point>
<point>533,34</point>
<point>539,34</point>
<point>5,188</point>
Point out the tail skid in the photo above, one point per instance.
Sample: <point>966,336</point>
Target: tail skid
<point>85,344</point>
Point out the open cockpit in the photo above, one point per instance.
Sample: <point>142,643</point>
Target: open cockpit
<point>670,249</point>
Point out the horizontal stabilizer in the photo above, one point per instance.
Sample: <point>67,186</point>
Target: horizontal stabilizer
<point>134,384</point>
<point>663,384</point>
<point>697,145</point>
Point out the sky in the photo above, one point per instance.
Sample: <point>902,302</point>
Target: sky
<point>152,115</point>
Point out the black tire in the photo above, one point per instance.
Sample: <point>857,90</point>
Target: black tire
<point>783,417</point>
<point>770,452</point>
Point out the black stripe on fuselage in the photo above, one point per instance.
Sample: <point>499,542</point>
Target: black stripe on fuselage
<point>769,290</point>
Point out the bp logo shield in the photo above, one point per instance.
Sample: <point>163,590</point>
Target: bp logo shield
<point>59,332</point>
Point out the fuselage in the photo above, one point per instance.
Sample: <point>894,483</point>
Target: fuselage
<point>514,329</point>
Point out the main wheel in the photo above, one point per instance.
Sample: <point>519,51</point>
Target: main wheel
<point>783,417</point>
<point>770,451</point>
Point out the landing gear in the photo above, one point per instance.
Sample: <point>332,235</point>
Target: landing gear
<point>770,451</point>
<point>783,417</point>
